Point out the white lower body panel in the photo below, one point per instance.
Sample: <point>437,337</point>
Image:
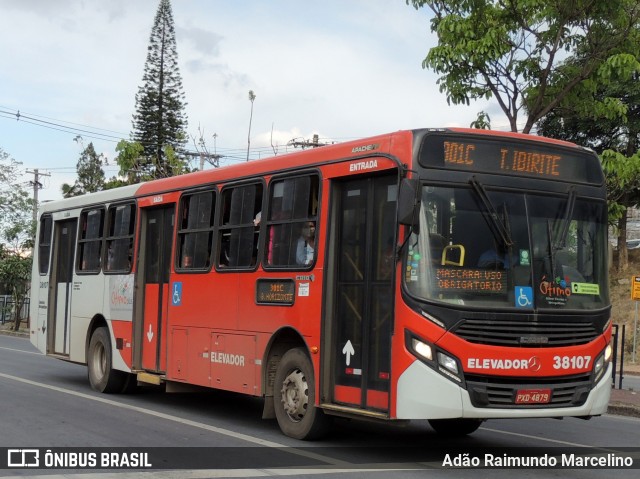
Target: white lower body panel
<point>425,394</point>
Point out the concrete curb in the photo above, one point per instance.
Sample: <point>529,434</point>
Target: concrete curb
<point>621,409</point>
<point>8,332</point>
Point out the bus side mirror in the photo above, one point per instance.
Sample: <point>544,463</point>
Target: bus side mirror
<point>409,203</point>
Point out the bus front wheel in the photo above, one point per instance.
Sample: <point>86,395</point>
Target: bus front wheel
<point>295,396</point>
<point>102,377</point>
<point>455,427</point>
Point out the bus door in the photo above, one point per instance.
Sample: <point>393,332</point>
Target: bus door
<point>363,219</point>
<point>60,287</point>
<point>157,225</point>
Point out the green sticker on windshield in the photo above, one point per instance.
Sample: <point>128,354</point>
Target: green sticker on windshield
<point>524,257</point>
<point>585,288</point>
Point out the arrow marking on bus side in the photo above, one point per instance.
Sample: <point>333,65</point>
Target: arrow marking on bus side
<point>150,333</point>
<point>349,351</point>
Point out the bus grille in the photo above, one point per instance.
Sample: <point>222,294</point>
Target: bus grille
<point>499,392</point>
<point>529,334</point>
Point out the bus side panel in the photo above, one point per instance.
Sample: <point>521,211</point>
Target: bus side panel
<point>189,355</point>
<point>212,358</point>
<point>233,362</point>
<point>38,308</point>
<point>123,336</point>
<point>118,306</point>
<point>208,302</point>
<point>85,304</point>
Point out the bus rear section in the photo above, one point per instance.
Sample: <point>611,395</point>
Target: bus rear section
<point>505,310</point>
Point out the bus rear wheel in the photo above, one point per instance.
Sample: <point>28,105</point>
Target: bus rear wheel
<point>295,396</point>
<point>455,427</point>
<point>102,377</point>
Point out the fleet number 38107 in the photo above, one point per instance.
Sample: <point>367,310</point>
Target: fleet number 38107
<point>571,362</point>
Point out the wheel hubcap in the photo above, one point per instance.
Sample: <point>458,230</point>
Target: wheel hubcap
<point>99,360</point>
<point>295,395</point>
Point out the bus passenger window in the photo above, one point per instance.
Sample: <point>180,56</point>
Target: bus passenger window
<point>121,226</point>
<point>44,244</point>
<point>195,233</point>
<point>238,232</point>
<point>292,222</point>
<point>90,240</point>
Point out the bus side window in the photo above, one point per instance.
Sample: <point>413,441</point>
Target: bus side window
<point>292,222</point>
<point>44,244</point>
<point>90,240</point>
<point>195,233</point>
<point>121,225</point>
<point>238,234</point>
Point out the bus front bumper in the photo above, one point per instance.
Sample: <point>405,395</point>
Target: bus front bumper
<point>425,394</point>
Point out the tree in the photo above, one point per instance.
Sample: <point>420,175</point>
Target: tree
<point>17,232</point>
<point>90,174</point>
<point>527,54</point>
<point>612,129</point>
<point>623,191</point>
<point>160,121</point>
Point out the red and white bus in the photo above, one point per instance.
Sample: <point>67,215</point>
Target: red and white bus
<point>453,275</point>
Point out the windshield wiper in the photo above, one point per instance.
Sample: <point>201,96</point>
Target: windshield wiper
<point>499,226</point>
<point>566,221</point>
<point>563,231</point>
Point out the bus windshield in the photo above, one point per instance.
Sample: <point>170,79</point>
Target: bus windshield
<point>497,249</point>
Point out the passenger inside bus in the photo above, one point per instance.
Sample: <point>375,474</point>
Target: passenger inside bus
<point>491,259</point>
<point>306,244</point>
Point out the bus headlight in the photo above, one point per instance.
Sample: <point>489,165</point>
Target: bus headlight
<point>448,366</point>
<point>423,349</point>
<point>433,357</point>
<point>600,366</point>
<point>448,362</point>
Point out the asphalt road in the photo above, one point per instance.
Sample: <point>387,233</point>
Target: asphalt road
<point>47,403</point>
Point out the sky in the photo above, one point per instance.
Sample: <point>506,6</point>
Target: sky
<point>341,69</point>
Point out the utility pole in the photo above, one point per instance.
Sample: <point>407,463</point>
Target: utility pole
<point>36,186</point>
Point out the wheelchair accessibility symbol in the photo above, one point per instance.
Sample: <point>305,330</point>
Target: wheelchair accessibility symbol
<point>176,295</point>
<point>524,296</point>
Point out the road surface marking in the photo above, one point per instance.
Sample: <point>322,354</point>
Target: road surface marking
<point>187,422</point>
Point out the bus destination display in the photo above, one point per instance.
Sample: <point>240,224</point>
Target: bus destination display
<point>464,280</point>
<point>275,291</point>
<point>508,156</point>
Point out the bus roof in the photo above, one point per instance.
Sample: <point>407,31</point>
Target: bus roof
<point>400,141</point>
<point>275,164</point>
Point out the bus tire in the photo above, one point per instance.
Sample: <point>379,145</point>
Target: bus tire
<point>102,377</point>
<point>294,398</point>
<point>455,427</point>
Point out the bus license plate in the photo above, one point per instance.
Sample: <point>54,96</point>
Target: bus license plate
<point>533,396</point>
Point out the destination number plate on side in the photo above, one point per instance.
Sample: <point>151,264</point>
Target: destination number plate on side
<point>533,396</point>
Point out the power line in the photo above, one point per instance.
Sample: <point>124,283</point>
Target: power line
<point>224,155</point>
<point>64,121</point>
<point>57,125</point>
